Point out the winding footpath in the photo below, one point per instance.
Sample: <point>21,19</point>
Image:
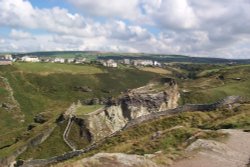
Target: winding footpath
<point>70,113</point>
<point>186,108</point>
<point>66,134</point>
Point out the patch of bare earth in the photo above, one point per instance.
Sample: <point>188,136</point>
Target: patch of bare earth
<point>113,160</point>
<point>233,152</point>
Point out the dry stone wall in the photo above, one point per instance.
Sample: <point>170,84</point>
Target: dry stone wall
<point>227,102</point>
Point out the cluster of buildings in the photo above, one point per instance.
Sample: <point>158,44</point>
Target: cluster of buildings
<point>145,63</point>
<point>113,63</point>
<point>109,63</point>
<point>6,59</point>
<point>35,59</point>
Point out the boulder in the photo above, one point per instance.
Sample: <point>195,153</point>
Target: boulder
<point>40,119</point>
<point>60,119</point>
<point>82,88</point>
<point>31,126</point>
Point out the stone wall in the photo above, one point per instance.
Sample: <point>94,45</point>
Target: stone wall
<point>6,161</point>
<point>227,102</point>
<point>131,105</point>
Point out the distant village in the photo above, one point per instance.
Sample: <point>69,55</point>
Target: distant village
<point>9,59</point>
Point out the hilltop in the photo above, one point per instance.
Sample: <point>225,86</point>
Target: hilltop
<point>94,55</point>
<point>45,91</point>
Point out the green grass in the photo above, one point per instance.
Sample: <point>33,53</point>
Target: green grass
<point>3,91</point>
<point>238,118</point>
<point>156,70</point>
<point>48,68</point>
<point>209,88</point>
<point>138,140</point>
<point>85,109</point>
<point>76,138</point>
<point>174,132</point>
<point>52,94</point>
<point>10,128</point>
<point>53,146</point>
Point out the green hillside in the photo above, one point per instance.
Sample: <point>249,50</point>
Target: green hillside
<point>51,88</point>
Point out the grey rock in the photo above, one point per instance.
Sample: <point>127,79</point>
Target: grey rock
<point>40,119</point>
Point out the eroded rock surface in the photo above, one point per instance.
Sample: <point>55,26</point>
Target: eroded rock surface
<point>113,160</point>
<point>234,152</point>
<point>133,104</point>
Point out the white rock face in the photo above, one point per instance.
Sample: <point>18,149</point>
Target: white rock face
<point>106,122</point>
<point>133,104</point>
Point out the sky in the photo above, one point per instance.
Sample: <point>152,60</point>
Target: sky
<point>204,28</point>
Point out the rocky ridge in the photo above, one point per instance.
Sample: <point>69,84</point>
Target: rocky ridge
<point>131,105</point>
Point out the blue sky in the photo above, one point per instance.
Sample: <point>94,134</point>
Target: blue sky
<point>208,28</point>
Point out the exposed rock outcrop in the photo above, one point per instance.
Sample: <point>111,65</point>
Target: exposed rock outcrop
<point>231,100</point>
<point>235,151</point>
<point>132,104</point>
<point>40,118</point>
<point>82,88</point>
<point>114,160</point>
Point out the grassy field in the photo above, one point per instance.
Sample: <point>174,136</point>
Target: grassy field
<point>54,145</point>
<point>51,88</point>
<point>170,134</point>
<point>209,87</point>
<point>85,109</point>
<point>156,70</point>
<point>49,68</point>
<point>53,93</point>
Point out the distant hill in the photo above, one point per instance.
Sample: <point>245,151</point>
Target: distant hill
<point>93,55</point>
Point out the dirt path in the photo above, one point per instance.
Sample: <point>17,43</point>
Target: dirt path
<point>234,152</point>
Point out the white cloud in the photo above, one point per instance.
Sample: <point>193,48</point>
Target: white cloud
<point>128,9</point>
<point>19,34</point>
<point>21,14</point>
<point>172,14</point>
<point>208,27</point>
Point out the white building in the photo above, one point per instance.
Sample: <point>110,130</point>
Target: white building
<point>156,63</point>
<point>70,60</point>
<point>143,63</point>
<point>33,59</point>
<point>126,61</point>
<point>80,60</point>
<point>110,63</point>
<point>59,60</point>
<point>8,57</point>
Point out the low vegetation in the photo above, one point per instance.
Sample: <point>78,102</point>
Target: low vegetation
<point>50,68</point>
<point>51,88</point>
<point>85,109</point>
<point>228,80</point>
<point>53,146</point>
<point>53,93</point>
<point>156,70</point>
<point>168,136</point>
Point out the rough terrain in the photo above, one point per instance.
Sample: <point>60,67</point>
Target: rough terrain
<point>233,152</point>
<point>133,104</point>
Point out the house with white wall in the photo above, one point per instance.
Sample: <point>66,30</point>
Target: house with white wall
<point>33,59</point>
<point>59,60</point>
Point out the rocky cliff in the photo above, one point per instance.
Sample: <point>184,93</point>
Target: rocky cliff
<point>132,104</point>
<point>227,102</point>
